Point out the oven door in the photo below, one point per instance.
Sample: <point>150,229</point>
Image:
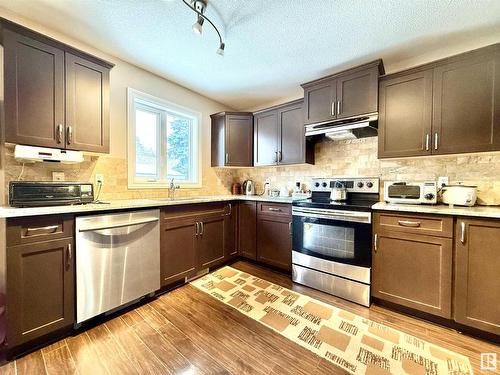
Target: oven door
<point>333,235</point>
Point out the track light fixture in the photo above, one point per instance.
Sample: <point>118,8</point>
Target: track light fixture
<point>199,6</point>
<point>198,26</point>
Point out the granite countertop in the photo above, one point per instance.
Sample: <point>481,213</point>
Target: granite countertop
<point>492,212</point>
<point>123,204</point>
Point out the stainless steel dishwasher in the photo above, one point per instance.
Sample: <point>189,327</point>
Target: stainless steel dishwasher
<point>117,260</point>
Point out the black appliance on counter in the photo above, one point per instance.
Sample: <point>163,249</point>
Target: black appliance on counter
<point>49,193</point>
<point>332,240</point>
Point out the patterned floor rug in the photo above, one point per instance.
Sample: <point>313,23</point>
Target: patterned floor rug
<point>356,344</point>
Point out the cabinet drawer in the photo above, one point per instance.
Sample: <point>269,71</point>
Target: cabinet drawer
<point>274,209</point>
<point>37,229</point>
<point>431,225</point>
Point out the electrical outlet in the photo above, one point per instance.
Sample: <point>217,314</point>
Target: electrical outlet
<point>442,181</point>
<point>57,176</point>
<point>99,179</point>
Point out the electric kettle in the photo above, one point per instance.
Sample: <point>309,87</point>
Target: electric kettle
<point>249,187</point>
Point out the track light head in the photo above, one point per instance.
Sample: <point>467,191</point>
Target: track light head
<point>220,51</point>
<point>198,25</point>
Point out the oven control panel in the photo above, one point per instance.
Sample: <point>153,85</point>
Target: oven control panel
<point>353,185</point>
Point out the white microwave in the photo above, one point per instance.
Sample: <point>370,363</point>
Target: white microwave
<point>403,192</point>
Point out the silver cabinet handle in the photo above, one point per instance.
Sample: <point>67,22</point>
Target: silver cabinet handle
<point>275,156</point>
<point>427,141</point>
<point>59,133</point>
<point>290,228</point>
<point>406,223</point>
<point>280,156</point>
<point>227,158</point>
<point>69,256</point>
<point>274,209</point>
<point>196,229</point>
<point>69,139</point>
<point>49,228</point>
<point>436,139</point>
<point>202,227</point>
<point>375,243</point>
<point>230,210</point>
<point>462,234</point>
<point>332,109</point>
<point>338,107</point>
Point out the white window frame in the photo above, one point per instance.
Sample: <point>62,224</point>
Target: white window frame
<point>150,102</point>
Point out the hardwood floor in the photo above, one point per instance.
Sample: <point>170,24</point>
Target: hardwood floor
<point>188,332</point>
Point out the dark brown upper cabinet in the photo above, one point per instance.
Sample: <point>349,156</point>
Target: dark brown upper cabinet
<point>347,94</point>
<point>279,136</point>
<point>34,91</point>
<point>406,112</point>
<point>55,95</point>
<point>232,139</point>
<point>466,105</point>
<point>449,106</point>
<point>87,105</point>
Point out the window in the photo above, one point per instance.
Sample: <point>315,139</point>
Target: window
<point>163,143</point>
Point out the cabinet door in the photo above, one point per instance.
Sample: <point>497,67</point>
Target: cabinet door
<point>357,93</point>
<point>466,108</point>
<point>477,281</point>
<point>292,147</point>
<point>87,105</point>
<point>266,138</point>
<point>231,230</point>
<point>405,115</point>
<point>40,289</point>
<point>320,101</point>
<point>274,241</point>
<point>239,141</point>
<point>247,229</point>
<point>413,270</point>
<point>210,244</point>
<point>34,92</point>
<point>177,249</point>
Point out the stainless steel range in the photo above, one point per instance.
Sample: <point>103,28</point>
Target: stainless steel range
<point>332,240</point>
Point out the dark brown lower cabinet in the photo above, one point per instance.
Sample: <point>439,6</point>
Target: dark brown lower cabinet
<point>195,237</point>
<point>231,230</point>
<point>274,235</point>
<point>413,270</point>
<point>477,280</point>
<point>247,229</point>
<point>177,249</point>
<point>210,241</point>
<point>40,289</point>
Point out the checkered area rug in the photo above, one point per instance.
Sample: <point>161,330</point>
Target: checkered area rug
<point>356,344</point>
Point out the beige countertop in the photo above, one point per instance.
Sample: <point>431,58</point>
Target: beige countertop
<point>492,212</point>
<point>123,204</point>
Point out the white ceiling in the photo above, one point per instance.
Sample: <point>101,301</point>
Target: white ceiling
<point>271,45</point>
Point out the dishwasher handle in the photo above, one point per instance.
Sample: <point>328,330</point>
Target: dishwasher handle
<point>120,225</point>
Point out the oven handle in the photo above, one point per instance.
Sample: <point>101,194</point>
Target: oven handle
<point>346,216</point>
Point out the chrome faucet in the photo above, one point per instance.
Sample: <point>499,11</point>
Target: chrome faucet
<point>172,188</point>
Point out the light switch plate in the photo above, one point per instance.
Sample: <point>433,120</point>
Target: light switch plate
<point>57,176</point>
<point>442,180</point>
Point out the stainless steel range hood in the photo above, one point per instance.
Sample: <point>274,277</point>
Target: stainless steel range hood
<point>356,127</point>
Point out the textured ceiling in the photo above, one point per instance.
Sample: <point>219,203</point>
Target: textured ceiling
<point>271,45</point>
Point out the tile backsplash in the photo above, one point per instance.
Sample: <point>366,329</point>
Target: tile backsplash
<point>333,158</point>
<point>216,181</point>
<point>359,158</point>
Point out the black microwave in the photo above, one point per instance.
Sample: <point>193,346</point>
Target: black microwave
<point>48,193</point>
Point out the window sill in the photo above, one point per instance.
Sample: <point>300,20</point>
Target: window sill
<point>140,186</point>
